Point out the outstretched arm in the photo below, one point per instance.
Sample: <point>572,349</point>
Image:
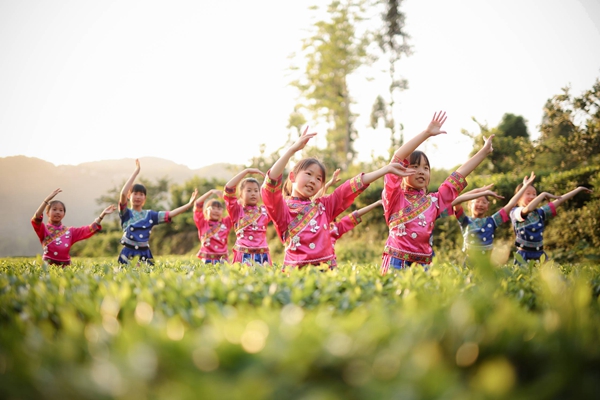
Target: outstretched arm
<point>393,168</point>
<point>433,129</point>
<point>335,178</point>
<point>515,199</point>
<point>279,166</point>
<point>569,195</point>
<point>366,209</point>
<point>184,207</point>
<point>40,211</point>
<point>233,182</point>
<point>475,193</point>
<point>474,161</point>
<point>127,187</point>
<point>205,196</point>
<point>536,202</point>
<point>108,210</point>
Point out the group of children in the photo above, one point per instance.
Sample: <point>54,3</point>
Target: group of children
<point>305,216</point>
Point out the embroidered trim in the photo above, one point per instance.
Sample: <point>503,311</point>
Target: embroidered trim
<point>211,232</point>
<point>410,212</point>
<point>53,234</point>
<point>250,250</point>
<point>356,183</point>
<point>457,180</point>
<point>248,219</point>
<point>408,256</point>
<point>272,185</point>
<point>355,218</point>
<point>305,214</point>
<point>212,256</point>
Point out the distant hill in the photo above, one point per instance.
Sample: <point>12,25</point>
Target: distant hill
<point>25,181</point>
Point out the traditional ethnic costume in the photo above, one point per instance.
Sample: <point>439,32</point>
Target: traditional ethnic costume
<point>58,240</point>
<point>478,233</point>
<point>529,231</point>
<point>410,215</point>
<point>213,237</point>
<point>338,229</point>
<point>303,224</point>
<point>250,225</point>
<point>137,227</point>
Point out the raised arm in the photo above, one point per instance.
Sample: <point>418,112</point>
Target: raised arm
<point>366,209</point>
<point>569,195</point>
<point>40,211</point>
<point>536,202</point>
<point>515,199</point>
<point>233,182</point>
<point>433,129</point>
<point>277,169</point>
<point>392,168</point>
<point>184,207</point>
<point>127,187</point>
<point>475,193</point>
<point>474,161</point>
<point>335,178</point>
<point>108,210</point>
<point>202,199</point>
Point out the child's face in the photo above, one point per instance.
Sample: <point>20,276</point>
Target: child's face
<point>215,213</point>
<point>479,207</point>
<point>250,194</point>
<point>308,182</point>
<point>528,196</point>
<point>420,180</point>
<point>138,199</point>
<point>56,213</point>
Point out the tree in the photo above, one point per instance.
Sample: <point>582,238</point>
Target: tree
<point>333,52</point>
<point>570,130</point>
<point>392,41</point>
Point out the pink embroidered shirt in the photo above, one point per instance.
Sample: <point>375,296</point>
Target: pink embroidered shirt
<point>303,224</point>
<point>213,235</point>
<point>346,224</point>
<point>57,240</point>
<point>250,225</point>
<point>410,215</point>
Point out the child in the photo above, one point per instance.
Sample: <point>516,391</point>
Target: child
<point>249,219</point>
<point>56,238</point>
<point>529,221</point>
<point>349,222</point>
<point>409,210</point>
<point>302,223</point>
<point>478,230</point>
<point>213,229</point>
<point>137,223</point>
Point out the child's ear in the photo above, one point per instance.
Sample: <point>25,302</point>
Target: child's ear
<point>292,176</point>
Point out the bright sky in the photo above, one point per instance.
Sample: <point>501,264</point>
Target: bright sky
<point>201,82</point>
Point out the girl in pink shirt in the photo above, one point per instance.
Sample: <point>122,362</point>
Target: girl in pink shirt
<point>303,224</point>
<point>409,210</point>
<point>249,219</point>
<point>213,229</point>
<point>57,239</point>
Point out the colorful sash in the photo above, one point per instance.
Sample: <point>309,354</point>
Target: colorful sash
<point>247,220</point>
<point>57,233</point>
<point>214,229</point>
<point>410,212</point>
<point>304,216</point>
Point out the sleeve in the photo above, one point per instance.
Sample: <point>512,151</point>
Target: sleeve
<point>548,211</point>
<point>124,213</point>
<point>500,217</point>
<point>162,217</point>
<point>276,206</point>
<point>39,227</point>
<point>199,216</point>
<point>463,220</point>
<point>84,232</point>
<point>392,194</point>
<point>234,209</point>
<point>343,196</point>
<point>449,190</point>
<point>515,214</point>
<point>348,223</point>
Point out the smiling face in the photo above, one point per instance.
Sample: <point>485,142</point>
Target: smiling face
<point>479,207</point>
<point>307,182</point>
<point>214,211</point>
<point>138,199</point>
<point>420,180</point>
<point>56,212</point>
<point>250,193</point>
<point>528,196</point>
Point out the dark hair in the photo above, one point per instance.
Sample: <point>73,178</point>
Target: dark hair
<point>301,166</point>
<point>138,188</point>
<point>49,206</point>
<point>415,158</point>
<point>247,181</point>
<point>214,203</point>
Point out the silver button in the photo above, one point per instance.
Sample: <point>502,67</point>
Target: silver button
<point>251,237</point>
<point>482,230</point>
<point>136,247</point>
<point>141,236</point>
<point>530,237</point>
<point>312,246</point>
<point>489,225</point>
<point>533,229</point>
<point>484,239</point>
<point>56,253</point>
<point>151,221</point>
<point>131,229</point>
<point>413,235</point>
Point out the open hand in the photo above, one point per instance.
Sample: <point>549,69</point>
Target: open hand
<point>400,170</point>
<point>528,181</point>
<point>302,140</point>
<point>436,123</point>
<point>110,209</point>
<point>487,144</point>
<point>193,196</point>
<point>52,195</point>
<point>254,171</point>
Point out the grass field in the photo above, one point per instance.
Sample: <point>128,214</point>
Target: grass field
<point>183,330</point>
